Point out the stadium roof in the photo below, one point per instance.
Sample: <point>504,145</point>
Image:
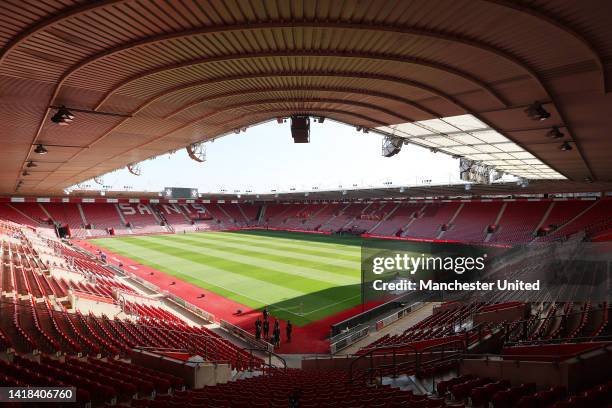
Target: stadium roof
<point>184,71</point>
<point>535,189</point>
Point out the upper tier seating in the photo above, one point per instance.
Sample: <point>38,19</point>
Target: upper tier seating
<point>219,215</point>
<point>250,212</point>
<point>9,213</point>
<point>142,218</point>
<point>276,214</point>
<point>319,215</point>
<point>173,214</point>
<point>467,221</point>
<point>398,219</point>
<point>67,214</point>
<point>429,220</point>
<point>297,215</point>
<point>519,221</point>
<point>597,211</point>
<point>101,217</point>
<point>235,213</point>
<point>344,218</point>
<point>33,211</point>
<point>471,223</point>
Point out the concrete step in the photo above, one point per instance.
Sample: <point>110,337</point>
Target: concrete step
<point>243,375</point>
<point>403,382</point>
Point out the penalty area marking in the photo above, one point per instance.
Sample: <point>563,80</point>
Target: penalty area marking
<point>278,307</point>
<point>332,304</point>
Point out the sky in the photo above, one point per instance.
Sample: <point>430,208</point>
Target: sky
<point>264,158</point>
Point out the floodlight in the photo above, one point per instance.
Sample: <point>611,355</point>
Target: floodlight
<point>537,112</point>
<point>40,149</point>
<point>63,116</point>
<point>391,145</point>
<point>555,133</point>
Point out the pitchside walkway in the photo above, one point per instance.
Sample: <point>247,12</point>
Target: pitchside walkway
<point>396,328</point>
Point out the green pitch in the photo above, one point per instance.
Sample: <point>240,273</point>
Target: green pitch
<point>301,277</point>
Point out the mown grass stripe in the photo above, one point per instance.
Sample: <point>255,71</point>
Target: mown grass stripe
<point>207,272</point>
<point>314,240</point>
<point>277,254</point>
<point>250,259</point>
<point>260,272</point>
<point>303,248</point>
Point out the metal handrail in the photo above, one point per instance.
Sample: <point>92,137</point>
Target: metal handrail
<point>270,354</point>
<point>371,355</point>
<point>488,356</point>
<point>564,340</point>
<point>519,323</point>
<point>464,344</point>
<point>177,350</point>
<point>458,349</point>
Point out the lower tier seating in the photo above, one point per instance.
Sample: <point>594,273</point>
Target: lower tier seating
<point>96,380</point>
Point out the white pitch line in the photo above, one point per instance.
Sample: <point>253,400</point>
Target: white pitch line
<point>330,305</point>
<point>278,307</point>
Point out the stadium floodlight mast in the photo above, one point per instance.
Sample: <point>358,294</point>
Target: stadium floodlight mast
<point>197,152</point>
<point>391,145</point>
<point>522,182</point>
<point>477,172</point>
<point>135,169</point>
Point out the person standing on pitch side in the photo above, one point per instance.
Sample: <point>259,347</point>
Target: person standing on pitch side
<point>266,328</point>
<point>258,329</point>
<point>276,333</point>
<point>288,330</point>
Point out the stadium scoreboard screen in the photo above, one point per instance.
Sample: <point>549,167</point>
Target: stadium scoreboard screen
<point>180,192</point>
